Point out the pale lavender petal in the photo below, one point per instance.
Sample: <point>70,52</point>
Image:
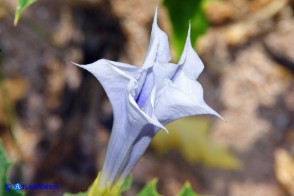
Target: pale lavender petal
<point>144,138</point>
<point>158,53</point>
<point>138,149</point>
<point>125,134</point>
<point>145,89</point>
<point>114,77</point>
<point>147,98</point>
<point>158,50</point>
<point>160,72</point>
<point>180,99</point>
<point>119,83</point>
<point>164,71</point>
<point>190,62</point>
<point>182,96</point>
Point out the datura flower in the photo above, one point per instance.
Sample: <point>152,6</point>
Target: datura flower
<point>145,99</point>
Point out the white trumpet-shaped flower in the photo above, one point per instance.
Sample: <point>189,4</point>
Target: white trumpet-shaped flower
<point>146,98</point>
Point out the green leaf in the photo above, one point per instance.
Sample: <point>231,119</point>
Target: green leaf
<point>187,190</point>
<point>4,164</point>
<point>126,184</point>
<point>149,189</point>
<point>13,193</point>
<point>4,167</point>
<point>180,13</point>
<point>22,4</point>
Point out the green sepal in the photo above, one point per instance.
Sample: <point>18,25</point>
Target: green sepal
<point>126,184</point>
<point>95,190</point>
<point>187,190</point>
<point>149,189</point>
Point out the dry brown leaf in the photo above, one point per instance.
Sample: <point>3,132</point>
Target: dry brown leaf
<point>239,32</point>
<point>11,91</point>
<point>284,169</point>
<point>3,12</point>
<point>218,12</point>
<point>258,4</point>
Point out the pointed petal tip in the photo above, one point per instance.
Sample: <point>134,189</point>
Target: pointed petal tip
<point>213,112</point>
<point>221,117</point>
<point>218,115</point>
<point>77,64</point>
<point>155,15</point>
<point>189,32</point>
<point>159,125</point>
<point>189,29</point>
<point>81,65</point>
<point>165,130</point>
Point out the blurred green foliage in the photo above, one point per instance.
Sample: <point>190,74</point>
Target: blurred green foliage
<point>180,13</point>
<point>95,190</point>
<point>149,189</point>
<point>22,4</point>
<point>187,190</point>
<point>75,194</point>
<point>126,184</point>
<point>190,136</point>
<point>4,168</point>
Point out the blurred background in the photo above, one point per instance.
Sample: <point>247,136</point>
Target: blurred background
<point>55,119</point>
